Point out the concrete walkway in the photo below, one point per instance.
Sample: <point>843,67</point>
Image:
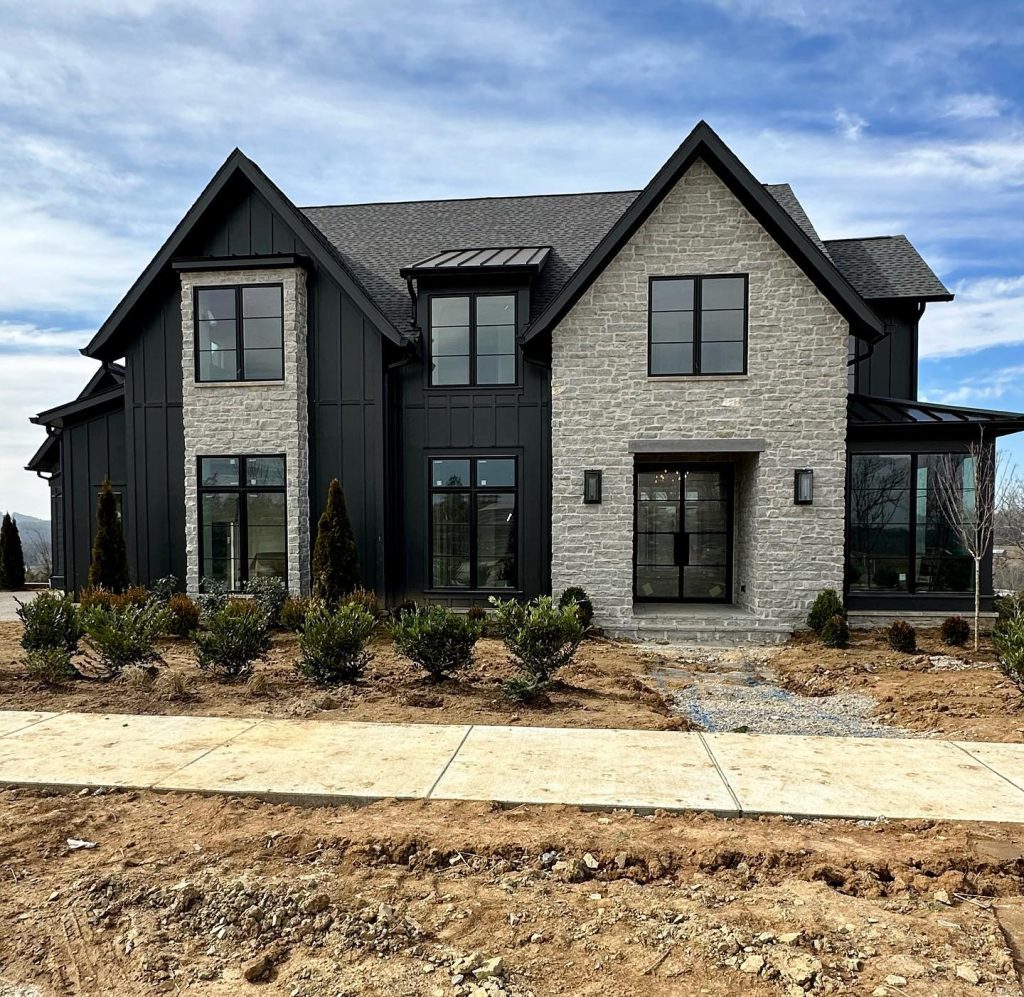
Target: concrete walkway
<point>309,761</point>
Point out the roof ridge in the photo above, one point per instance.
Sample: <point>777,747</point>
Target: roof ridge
<point>867,238</point>
<point>462,200</point>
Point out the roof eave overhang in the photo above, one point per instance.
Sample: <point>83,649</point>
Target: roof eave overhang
<point>57,416</point>
<point>521,270</point>
<point>703,143</point>
<point>104,345</point>
<point>276,261</point>
<point>46,458</point>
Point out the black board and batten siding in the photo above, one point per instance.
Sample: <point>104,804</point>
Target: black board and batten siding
<point>468,421</point>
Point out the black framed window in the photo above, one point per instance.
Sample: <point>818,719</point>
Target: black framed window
<point>240,333</point>
<point>697,325</point>
<point>472,339</point>
<point>474,541</point>
<point>900,540</point>
<point>243,529</point>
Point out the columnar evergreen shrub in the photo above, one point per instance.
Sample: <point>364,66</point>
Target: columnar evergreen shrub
<point>438,640</point>
<point>540,636</point>
<point>902,637</point>
<point>231,639</point>
<point>50,620</point>
<point>332,645</point>
<point>578,596</point>
<point>836,632</point>
<point>125,635</point>
<point>825,606</point>
<point>182,615</point>
<point>109,566</point>
<point>12,557</point>
<point>293,612</point>
<point>955,631</point>
<point>335,558</point>
<point>269,594</point>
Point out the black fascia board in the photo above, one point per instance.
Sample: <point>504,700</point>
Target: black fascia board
<point>703,143</point>
<point>47,457</point>
<point>193,264</point>
<point>100,346</point>
<point>56,416</point>
<point>515,270</point>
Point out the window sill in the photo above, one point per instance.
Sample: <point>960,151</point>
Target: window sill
<point>697,377</point>
<point>239,384</point>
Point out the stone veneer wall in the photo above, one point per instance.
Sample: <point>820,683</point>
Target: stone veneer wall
<point>251,417</point>
<point>794,396</point>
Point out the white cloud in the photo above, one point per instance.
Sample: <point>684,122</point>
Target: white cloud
<point>980,390</point>
<point>849,125</point>
<point>970,106</point>
<point>987,312</point>
<point>31,383</point>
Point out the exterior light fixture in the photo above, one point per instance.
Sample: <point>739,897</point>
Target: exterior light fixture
<point>803,487</point>
<point>591,487</point>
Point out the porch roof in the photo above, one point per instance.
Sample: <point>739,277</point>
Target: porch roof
<point>870,414</point>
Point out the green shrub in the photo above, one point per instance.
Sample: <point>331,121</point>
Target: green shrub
<point>540,636</point>
<point>108,568</point>
<point>836,632</point>
<point>50,665</point>
<point>293,612</point>
<point>437,639</point>
<point>367,599</point>
<point>125,635</point>
<point>825,606</point>
<point>1007,606</point>
<point>164,588</point>
<point>335,558</point>
<point>231,639</point>
<point>50,621</point>
<point>269,594</point>
<point>520,689</point>
<point>213,596</point>
<point>585,608</point>
<point>182,615</point>
<point>12,557</point>
<point>902,637</point>
<point>1008,638</point>
<point>956,631</point>
<point>332,645</point>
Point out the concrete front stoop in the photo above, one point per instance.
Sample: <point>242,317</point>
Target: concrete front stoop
<point>711,625</point>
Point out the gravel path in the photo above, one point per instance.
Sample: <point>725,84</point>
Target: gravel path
<point>734,690</point>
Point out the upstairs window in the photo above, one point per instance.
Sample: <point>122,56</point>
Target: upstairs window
<point>698,325</point>
<point>472,339</point>
<point>239,333</point>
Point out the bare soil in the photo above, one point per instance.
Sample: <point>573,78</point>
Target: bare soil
<point>607,686</point>
<point>181,894</point>
<point>951,692</point>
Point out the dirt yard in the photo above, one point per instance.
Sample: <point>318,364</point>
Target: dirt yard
<point>607,686</point>
<point>950,693</point>
<point>190,894</point>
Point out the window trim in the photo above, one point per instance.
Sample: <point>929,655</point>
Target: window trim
<point>472,296</point>
<point>472,489</point>
<point>698,280</point>
<point>241,489</point>
<point>239,333</point>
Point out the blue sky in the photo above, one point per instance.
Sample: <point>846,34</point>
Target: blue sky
<point>884,116</point>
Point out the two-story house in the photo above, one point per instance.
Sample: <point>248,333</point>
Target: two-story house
<point>680,398</point>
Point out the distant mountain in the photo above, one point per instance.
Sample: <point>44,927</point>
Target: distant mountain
<point>26,521</point>
<point>35,541</point>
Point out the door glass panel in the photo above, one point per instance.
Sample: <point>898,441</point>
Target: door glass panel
<point>656,548</point>
<point>704,583</point>
<point>706,516</point>
<point>264,471</point>
<point>657,517</point>
<point>658,485</point>
<point>657,583</point>
<point>221,539</point>
<point>221,471</point>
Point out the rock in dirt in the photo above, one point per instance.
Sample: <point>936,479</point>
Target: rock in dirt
<point>799,969</point>
<point>257,969</point>
<point>490,969</point>
<point>966,972</point>
<point>752,964</point>
<point>590,862</point>
<point>76,843</point>
<point>572,870</point>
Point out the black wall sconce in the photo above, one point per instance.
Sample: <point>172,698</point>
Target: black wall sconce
<point>591,487</point>
<point>803,486</point>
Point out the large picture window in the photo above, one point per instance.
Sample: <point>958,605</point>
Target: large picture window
<point>243,530</point>
<point>473,523</point>
<point>472,339</point>
<point>697,325</point>
<point>239,333</point>
<point>900,541</point>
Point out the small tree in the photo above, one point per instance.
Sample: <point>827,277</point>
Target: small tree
<point>109,566</point>
<point>335,558</point>
<point>965,487</point>
<point>12,558</point>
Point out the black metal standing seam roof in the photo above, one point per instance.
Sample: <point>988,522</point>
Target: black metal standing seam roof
<point>886,266</point>
<point>527,258</point>
<point>899,413</point>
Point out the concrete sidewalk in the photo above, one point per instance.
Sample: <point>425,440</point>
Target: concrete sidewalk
<point>308,761</point>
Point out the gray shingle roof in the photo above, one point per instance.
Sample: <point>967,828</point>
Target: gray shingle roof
<point>885,266</point>
<point>376,240</point>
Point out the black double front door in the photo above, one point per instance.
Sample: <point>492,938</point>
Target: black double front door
<point>682,543</point>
